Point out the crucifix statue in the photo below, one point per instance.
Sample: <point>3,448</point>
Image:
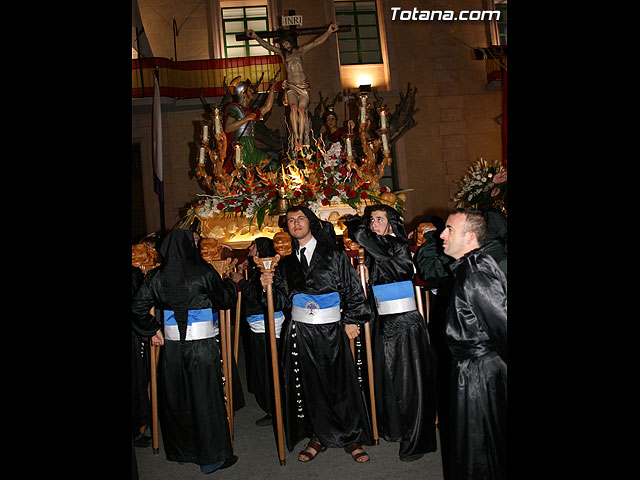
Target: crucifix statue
<point>297,84</point>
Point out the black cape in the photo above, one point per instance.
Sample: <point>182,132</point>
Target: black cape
<point>322,398</point>
<point>432,266</point>
<point>404,362</point>
<point>258,358</point>
<point>191,403</point>
<point>476,332</point>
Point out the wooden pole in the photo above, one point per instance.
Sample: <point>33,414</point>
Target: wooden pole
<point>236,339</point>
<point>154,353</point>
<point>268,264</point>
<point>418,293</point>
<point>227,320</point>
<point>427,305</point>
<point>367,339</point>
<point>226,369</point>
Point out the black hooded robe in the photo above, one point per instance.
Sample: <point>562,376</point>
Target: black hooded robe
<point>322,398</point>
<point>404,361</point>
<point>476,332</point>
<point>191,402</point>
<point>259,377</point>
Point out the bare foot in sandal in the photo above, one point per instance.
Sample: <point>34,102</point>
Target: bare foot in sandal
<point>311,451</point>
<point>357,453</point>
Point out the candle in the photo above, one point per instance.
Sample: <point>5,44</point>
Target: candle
<point>363,109</point>
<point>205,132</point>
<point>238,153</point>
<point>217,123</point>
<point>383,119</point>
<point>349,151</point>
<point>201,154</point>
<point>385,145</point>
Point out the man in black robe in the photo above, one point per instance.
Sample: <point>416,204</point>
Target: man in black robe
<point>432,266</point>
<point>259,378</point>
<point>476,332</point>
<point>404,363</point>
<point>187,294</point>
<point>318,284</point>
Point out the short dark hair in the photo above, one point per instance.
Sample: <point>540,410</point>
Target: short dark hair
<point>475,223</point>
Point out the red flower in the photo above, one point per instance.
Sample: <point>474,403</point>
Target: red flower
<point>329,181</point>
<point>343,171</point>
<point>352,194</point>
<point>238,209</point>
<point>272,193</point>
<point>364,195</point>
<point>327,169</point>
<point>327,191</point>
<point>383,189</point>
<point>297,193</point>
<point>325,202</point>
<point>220,206</point>
<point>365,186</point>
<point>308,194</point>
<point>245,202</point>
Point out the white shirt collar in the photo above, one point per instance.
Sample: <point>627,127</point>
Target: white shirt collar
<point>310,248</point>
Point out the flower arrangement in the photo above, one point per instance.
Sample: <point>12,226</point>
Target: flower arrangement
<point>317,180</point>
<point>484,185</point>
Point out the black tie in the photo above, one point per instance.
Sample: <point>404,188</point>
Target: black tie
<point>303,259</point>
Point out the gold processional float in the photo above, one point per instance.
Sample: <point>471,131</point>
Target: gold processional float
<point>248,201</point>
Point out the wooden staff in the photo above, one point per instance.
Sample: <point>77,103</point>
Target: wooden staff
<point>418,292</point>
<point>268,264</point>
<point>367,339</point>
<point>228,361</point>
<point>224,322</point>
<point>427,305</point>
<point>154,353</point>
<point>226,370</point>
<point>236,339</point>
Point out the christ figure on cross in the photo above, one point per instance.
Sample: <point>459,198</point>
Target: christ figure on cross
<point>296,85</point>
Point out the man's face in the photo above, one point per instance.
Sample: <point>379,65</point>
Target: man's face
<point>298,225</point>
<point>380,223</point>
<point>253,250</point>
<point>287,46</point>
<point>456,243</point>
<point>247,94</point>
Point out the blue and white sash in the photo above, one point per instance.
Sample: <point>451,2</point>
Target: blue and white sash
<point>397,297</point>
<point>256,322</point>
<point>316,309</point>
<point>201,324</point>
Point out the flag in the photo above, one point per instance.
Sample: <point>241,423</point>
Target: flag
<point>158,175</point>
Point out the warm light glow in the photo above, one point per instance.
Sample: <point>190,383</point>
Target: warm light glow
<point>363,79</point>
<point>294,177</point>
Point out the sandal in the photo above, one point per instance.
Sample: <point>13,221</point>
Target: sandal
<point>354,446</point>
<point>308,455</point>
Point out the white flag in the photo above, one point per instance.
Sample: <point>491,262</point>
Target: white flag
<point>158,186</point>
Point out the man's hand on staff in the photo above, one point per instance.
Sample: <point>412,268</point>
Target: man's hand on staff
<point>266,278</point>
<point>158,339</point>
<point>351,330</point>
